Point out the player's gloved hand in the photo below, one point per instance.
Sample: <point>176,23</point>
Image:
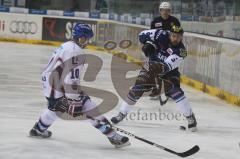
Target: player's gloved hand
<point>149,48</point>
<point>75,107</point>
<point>61,105</point>
<point>158,67</point>
<point>71,106</point>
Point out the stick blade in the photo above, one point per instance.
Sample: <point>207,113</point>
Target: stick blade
<point>190,152</point>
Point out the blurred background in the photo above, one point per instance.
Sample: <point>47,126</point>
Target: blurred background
<point>198,16</point>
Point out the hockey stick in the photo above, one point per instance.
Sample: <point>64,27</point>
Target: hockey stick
<point>187,153</point>
<point>163,102</point>
<point>159,87</point>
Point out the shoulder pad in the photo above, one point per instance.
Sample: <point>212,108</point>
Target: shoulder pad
<point>183,52</point>
<point>147,35</point>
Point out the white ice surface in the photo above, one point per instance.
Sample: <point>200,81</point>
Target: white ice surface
<point>21,102</point>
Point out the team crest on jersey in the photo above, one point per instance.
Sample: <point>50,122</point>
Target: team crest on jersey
<point>170,51</point>
<point>161,57</point>
<point>183,52</point>
<point>158,24</point>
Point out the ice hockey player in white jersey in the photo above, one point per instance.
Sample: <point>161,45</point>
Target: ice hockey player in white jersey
<point>164,52</point>
<point>74,102</point>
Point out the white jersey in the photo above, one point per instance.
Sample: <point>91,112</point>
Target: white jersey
<point>171,55</point>
<point>64,68</point>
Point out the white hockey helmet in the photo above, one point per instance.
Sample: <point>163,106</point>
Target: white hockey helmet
<point>165,5</point>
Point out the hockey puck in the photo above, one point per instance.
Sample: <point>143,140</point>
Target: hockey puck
<point>182,128</point>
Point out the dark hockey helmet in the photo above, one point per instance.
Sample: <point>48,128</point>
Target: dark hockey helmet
<point>82,33</point>
<point>82,30</point>
<point>177,29</point>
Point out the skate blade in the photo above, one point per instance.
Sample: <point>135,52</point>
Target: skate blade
<point>38,137</point>
<point>194,129</point>
<point>123,145</point>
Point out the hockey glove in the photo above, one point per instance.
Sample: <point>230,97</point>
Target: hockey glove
<point>75,107</point>
<point>158,67</point>
<point>71,106</point>
<point>149,48</point>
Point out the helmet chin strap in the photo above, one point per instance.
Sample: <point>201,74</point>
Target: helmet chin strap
<point>81,44</point>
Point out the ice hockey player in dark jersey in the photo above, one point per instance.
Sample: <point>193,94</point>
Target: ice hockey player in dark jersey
<point>164,52</point>
<point>165,21</point>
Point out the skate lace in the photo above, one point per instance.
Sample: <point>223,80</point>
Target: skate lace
<point>120,116</point>
<point>117,137</point>
<point>190,120</point>
<point>44,133</point>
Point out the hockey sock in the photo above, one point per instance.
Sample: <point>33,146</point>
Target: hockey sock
<point>125,108</point>
<point>103,127</point>
<point>46,119</point>
<point>184,106</point>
